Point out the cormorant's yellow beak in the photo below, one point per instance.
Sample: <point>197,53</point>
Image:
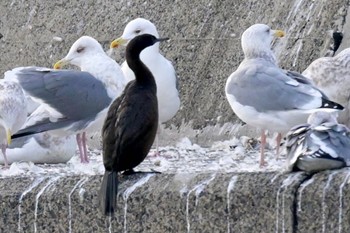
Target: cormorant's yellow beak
<point>117,42</point>
<point>279,33</point>
<point>58,65</point>
<point>8,136</point>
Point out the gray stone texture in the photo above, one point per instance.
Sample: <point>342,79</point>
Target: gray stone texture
<point>254,202</point>
<point>205,45</point>
<point>323,205</point>
<point>205,48</point>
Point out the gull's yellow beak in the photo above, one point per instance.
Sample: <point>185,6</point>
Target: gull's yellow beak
<point>58,65</point>
<point>117,42</point>
<point>8,136</point>
<point>279,33</point>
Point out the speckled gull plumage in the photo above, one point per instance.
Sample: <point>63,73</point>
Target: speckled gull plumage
<point>320,144</point>
<point>332,76</point>
<point>13,113</point>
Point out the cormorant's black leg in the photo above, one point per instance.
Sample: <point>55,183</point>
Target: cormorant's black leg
<point>132,171</point>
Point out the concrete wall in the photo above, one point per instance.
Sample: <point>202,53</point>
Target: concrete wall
<point>205,45</point>
<point>233,202</point>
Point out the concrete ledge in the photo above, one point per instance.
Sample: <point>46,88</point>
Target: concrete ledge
<point>323,202</point>
<point>235,202</point>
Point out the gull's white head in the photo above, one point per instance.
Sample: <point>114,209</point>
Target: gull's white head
<point>257,39</point>
<point>81,50</point>
<point>321,117</point>
<point>135,28</point>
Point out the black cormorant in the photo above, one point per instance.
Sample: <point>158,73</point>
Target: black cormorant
<point>131,123</point>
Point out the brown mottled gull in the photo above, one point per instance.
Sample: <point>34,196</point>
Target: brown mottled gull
<point>332,76</point>
<point>13,112</point>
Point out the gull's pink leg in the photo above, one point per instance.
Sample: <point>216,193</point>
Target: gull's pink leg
<point>3,149</point>
<point>262,149</point>
<point>86,158</point>
<point>278,142</point>
<point>80,146</point>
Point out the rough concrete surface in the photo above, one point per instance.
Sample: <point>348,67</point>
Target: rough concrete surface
<point>205,49</point>
<point>205,45</point>
<point>323,205</point>
<point>207,202</point>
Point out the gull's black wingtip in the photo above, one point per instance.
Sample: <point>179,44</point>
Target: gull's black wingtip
<point>339,106</point>
<point>331,105</point>
<point>23,134</point>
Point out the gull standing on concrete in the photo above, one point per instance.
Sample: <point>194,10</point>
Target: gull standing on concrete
<point>161,68</point>
<point>131,123</point>
<point>13,112</point>
<point>332,76</point>
<point>73,102</point>
<point>265,96</point>
<point>320,144</point>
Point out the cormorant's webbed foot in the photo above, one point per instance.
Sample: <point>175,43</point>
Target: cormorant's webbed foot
<point>132,171</point>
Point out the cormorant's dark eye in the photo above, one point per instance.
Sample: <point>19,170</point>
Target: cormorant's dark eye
<point>137,31</point>
<point>80,49</point>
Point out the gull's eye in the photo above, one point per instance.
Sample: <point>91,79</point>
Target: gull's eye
<point>268,30</point>
<point>137,31</point>
<point>80,49</point>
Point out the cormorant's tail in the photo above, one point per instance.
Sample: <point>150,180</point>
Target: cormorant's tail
<point>108,193</point>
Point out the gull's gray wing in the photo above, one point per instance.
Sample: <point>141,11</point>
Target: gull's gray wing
<point>77,96</point>
<point>295,144</point>
<point>74,94</point>
<point>330,140</point>
<point>298,77</point>
<point>19,142</point>
<point>316,148</point>
<point>269,88</point>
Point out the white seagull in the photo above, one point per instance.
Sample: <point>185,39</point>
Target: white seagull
<point>265,96</point>
<point>72,102</point>
<point>161,68</point>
